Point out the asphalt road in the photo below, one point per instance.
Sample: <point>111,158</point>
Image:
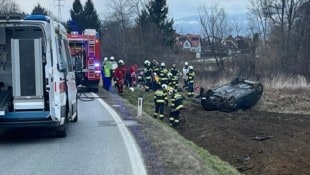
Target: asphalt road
<point>99,143</point>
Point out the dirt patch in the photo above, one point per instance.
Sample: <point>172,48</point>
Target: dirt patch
<point>255,142</point>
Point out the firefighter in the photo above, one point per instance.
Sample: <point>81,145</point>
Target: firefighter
<point>190,81</point>
<point>160,100</point>
<point>119,76</point>
<point>175,76</point>
<point>163,74</point>
<point>155,72</point>
<point>184,72</point>
<point>176,107</point>
<point>147,75</point>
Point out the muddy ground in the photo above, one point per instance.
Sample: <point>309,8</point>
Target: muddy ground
<point>255,142</point>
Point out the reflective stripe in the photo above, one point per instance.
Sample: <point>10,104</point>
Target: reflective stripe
<point>179,107</point>
<point>171,118</point>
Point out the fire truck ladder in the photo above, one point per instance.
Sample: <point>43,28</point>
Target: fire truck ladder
<point>91,55</point>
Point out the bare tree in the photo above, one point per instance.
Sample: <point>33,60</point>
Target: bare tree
<point>214,25</point>
<point>9,6</point>
<point>261,11</point>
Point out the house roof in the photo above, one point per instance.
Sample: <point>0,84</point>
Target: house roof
<point>193,39</point>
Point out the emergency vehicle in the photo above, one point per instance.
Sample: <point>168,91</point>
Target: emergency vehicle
<point>37,80</point>
<point>85,51</point>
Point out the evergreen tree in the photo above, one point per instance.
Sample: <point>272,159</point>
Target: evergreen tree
<point>39,10</point>
<point>157,11</point>
<point>91,17</point>
<point>77,20</point>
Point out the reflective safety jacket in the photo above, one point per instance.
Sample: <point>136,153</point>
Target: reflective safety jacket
<point>174,71</point>
<point>147,73</point>
<point>176,102</point>
<point>163,76</point>
<point>190,77</point>
<point>160,97</point>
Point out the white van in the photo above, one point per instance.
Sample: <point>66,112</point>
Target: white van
<point>37,81</point>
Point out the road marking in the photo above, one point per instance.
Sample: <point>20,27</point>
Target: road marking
<point>131,146</point>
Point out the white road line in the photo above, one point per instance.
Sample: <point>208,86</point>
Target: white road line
<point>136,161</point>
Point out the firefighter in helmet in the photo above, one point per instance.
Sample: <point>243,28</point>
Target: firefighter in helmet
<point>190,81</point>
<point>147,75</point>
<point>184,73</point>
<point>175,76</point>
<point>176,107</point>
<point>163,74</point>
<point>119,76</point>
<point>160,100</point>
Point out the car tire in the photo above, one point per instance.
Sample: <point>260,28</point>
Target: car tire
<point>259,88</point>
<point>231,103</point>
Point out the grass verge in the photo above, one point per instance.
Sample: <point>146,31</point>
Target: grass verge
<point>212,164</point>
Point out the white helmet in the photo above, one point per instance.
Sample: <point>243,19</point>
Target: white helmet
<point>105,59</point>
<point>191,67</point>
<point>120,62</point>
<point>164,86</point>
<point>162,64</point>
<point>186,63</point>
<point>112,58</point>
<point>147,62</point>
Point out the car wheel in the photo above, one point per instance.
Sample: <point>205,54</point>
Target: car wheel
<point>259,88</point>
<point>231,103</point>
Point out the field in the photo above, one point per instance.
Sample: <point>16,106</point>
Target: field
<point>270,138</point>
<point>256,142</point>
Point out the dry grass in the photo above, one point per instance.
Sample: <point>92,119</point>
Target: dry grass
<point>282,94</point>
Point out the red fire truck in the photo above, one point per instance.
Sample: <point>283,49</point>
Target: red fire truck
<point>85,52</point>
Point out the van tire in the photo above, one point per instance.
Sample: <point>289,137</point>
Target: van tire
<point>61,131</point>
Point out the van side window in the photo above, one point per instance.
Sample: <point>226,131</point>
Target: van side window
<point>62,61</point>
<point>68,56</point>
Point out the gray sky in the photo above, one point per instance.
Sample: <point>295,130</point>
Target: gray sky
<point>177,8</point>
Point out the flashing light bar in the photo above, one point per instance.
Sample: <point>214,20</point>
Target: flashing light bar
<point>38,17</point>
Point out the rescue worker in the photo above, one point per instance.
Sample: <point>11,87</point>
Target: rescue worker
<point>163,74</point>
<point>190,81</point>
<point>184,72</point>
<point>175,76</point>
<point>107,74</point>
<point>155,66</point>
<point>147,75</point>
<point>155,72</point>
<point>102,70</point>
<point>160,99</point>
<point>176,107</point>
<point>119,75</point>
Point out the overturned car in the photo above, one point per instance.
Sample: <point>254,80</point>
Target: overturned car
<point>238,94</point>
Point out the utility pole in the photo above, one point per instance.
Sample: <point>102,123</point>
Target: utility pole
<point>59,5</point>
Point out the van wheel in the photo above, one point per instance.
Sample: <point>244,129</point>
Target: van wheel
<point>61,131</point>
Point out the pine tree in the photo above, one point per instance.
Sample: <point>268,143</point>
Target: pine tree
<point>91,17</point>
<point>39,10</point>
<point>157,11</point>
<point>77,20</point>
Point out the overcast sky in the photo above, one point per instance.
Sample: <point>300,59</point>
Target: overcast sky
<point>177,8</point>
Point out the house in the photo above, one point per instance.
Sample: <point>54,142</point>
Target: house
<point>189,42</point>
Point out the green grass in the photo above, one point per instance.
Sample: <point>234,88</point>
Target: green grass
<point>212,162</point>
